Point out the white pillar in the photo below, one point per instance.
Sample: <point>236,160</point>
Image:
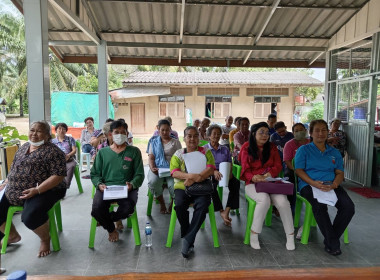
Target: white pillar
<point>103,82</point>
<point>37,58</point>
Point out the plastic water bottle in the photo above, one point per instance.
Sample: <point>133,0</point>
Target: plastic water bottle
<point>148,235</point>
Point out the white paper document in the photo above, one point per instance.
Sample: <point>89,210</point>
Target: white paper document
<point>163,172</point>
<point>195,162</point>
<point>115,192</point>
<point>224,168</point>
<point>271,179</point>
<point>328,198</point>
<point>2,192</point>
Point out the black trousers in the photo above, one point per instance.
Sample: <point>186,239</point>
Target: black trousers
<point>100,209</point>
<point>331,231</point>
<point>35,210</point>
<point>233,195</point>
<point>182,203</point>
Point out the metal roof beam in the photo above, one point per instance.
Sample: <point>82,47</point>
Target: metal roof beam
<point>61,7</point>
<point>235,4</point>
<point>181,30</point>
<point>269,16</point>
<point>91,16</point>
<point>189,46</point>
<point>315,57</point>
<point>248,36</point>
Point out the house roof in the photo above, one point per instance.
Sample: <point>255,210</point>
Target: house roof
<point>226,33</point>
<point>292,79</point>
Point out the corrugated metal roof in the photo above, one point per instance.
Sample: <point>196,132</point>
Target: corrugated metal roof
<point>207,22</point>
<point>134,91</point>
<point>223,78</point>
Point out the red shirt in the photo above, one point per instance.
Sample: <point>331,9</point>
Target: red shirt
<point>252,167</point>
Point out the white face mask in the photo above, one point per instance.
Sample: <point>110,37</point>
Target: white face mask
<point>119,139</point>
<point>37,144</point>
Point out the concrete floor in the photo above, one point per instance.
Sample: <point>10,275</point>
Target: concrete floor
<point>75,258</point>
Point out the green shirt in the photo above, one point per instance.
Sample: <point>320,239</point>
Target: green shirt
<point>111,168</point>
<point>177,163</point>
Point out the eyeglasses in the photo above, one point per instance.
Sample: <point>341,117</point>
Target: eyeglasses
<point>263,133</point>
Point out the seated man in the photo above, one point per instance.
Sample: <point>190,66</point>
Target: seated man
<point>118,164</point>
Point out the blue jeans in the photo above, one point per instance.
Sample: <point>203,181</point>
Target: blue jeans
<point>86,148</point>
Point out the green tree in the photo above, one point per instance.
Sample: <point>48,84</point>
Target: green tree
<point>309,92</point>
<point>316,113</point>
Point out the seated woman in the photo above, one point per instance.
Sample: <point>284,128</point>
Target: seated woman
<point>289,153</point>
<point>85,136</point>
<point>221,154</point>
<point>35,181</point>
<point>160,150</point>
<point>182,179</point>
<point>241,136</point>
<point>320,166</point>
<point>205,123</point>
<point>67,145</point>
<point>336,137</point>
<point>260,159</point>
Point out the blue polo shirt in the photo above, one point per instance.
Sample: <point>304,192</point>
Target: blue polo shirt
<point>317,165</point>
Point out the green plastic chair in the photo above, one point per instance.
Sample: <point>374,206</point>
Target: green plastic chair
<point>309,220</point>
<point>77,171</point>
<point>52,214</point>
<point>173,220</point>
<point>150,203</point>
<point>132,222</point>
<point>232,145</point>
<point>250,212</point>
<point>202,143</point>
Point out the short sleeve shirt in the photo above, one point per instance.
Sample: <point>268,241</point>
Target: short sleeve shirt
<point>169,148</point>
<point>225,130</point>
<point>291,148</point>
<point>222,154</point>
<point>66,145</point>
<point>177,163</point>
<point>317,165</point>
<point>28,169</point>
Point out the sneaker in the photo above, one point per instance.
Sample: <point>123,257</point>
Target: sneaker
<point>299,233</point>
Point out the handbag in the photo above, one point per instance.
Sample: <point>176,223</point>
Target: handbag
<point>277,187</point>
<point>202,188</point>
<point>199,188</point>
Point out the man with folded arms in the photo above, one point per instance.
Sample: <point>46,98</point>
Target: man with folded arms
<point>118,164</point>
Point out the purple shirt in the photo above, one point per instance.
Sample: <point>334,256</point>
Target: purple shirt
<point>222,154</point>
<point>66,145</point>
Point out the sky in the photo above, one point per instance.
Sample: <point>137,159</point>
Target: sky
<point>319,73</point>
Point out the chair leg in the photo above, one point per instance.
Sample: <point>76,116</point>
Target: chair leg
<point>313,222</point>
<point>297,212</point>
<point>11,211</point>
<point>92,233</point>
<point>150,203</point>
<point>135,227</point>
<point>345,236</point>
<point>307,224</point>
<point>214,230</point>
<point>88,159</point>
<point>220,192</point>
<point>237,212</point>
<point>173,220</point>
<point>251,209</point>
<point>129,223</point>
<point>268,218</point>
<point>77,178</point>
<point>93,191</point>
<point>53,230</point>
<point>203,225</point>
<point>58,215</point>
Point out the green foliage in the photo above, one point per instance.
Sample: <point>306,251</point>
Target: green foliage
<point>309,92</point>
<point>88,83</point>
<point>11,133</point>
<point>316,113</point>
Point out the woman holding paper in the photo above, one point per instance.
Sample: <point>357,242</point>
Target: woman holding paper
<point>185,168</point>
<point>222,154</point>
<point>259,160</point>
<point>160,150</point>
<point>35,181</point>
<point>320,166</point>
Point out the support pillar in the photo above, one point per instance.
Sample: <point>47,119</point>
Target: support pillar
<point>37,58</point>
<point>103,83</point>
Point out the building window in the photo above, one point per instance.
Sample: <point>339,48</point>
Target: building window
<point>218,107</point>
<point>262,110</point>
<point>171,98</point>
<point>172,109</point>
<point>267,99</point>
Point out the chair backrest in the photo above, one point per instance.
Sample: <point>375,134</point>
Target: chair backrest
<point>232,145</point>
<point>7,155</point>
<point>236,171</point>
<point>77,144</point>
<point>202,143</point>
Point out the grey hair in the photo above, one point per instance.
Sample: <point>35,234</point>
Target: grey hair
<point>212,127</point>
<point>189,128</point>
<point>45,127</point>
<point>106,128</point>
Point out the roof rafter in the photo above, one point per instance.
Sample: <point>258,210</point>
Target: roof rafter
<point>181,29</point>
<point>262,28</point>
<point>59,5</point>
<point>191,46</point>
<point>236,4</point>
